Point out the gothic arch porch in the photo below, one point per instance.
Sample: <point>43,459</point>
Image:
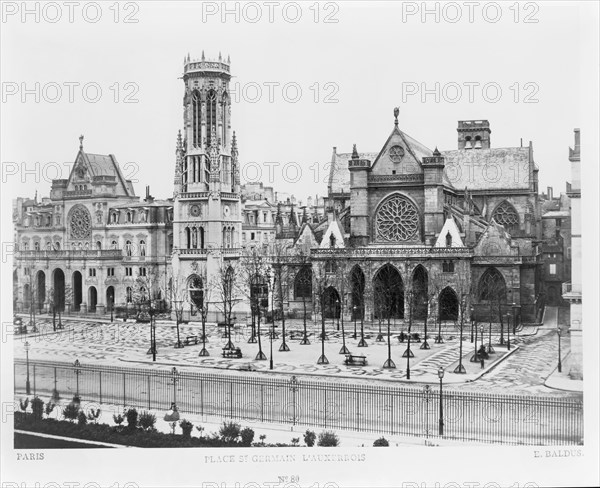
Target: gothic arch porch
<point>388,293</point>
<point>331,303</point>
<point>58,284</point>
<point>448,304</point>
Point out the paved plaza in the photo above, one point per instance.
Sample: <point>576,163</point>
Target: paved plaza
<point>523,370</point>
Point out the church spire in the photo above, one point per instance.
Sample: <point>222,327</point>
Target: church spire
<point>354,152</point>
<point>81,141</point>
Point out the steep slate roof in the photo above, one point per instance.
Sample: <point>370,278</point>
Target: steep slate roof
<point>339,174</point>
<point>489,169</point>
<point>415,150</point>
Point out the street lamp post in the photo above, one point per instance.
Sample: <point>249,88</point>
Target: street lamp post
<point>354,310</point>
<point>204,316</point>
<point>475,356</point>
<point>439,339</point>
<point>272,335</point>
<point>76,365</point>
<point>27,385</point>
<point>508,330</point>
<point>322,359</point>
<point>515,308</point>
<point>344,349</point>
<point>460,369</point>
<point>362,342</point>
<point>175,378</point>
<point>441,422</point>
<point>178,311</point>
<point>112,306</point>
<point>481,335</point>
<point>408,353</point>
<point>472,322</point>
<point>490,348</point>
<point>425,344</point>
<point>558,331</point>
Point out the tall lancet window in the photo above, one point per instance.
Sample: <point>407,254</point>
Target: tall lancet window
<point>225,115</point>
<point>211,114</point>
<point>196,119</point>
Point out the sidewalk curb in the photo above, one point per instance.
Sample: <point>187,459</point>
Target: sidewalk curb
<point>550,379</point>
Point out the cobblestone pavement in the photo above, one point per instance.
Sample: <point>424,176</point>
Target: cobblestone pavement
<point>126,344</point>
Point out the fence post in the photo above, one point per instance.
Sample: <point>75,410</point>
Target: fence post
<point>148,377</point>
<point>34,393</point>
<point>262,403</point>
<point>124,404</point>
<point>202,398</point>
<point>100,383</point>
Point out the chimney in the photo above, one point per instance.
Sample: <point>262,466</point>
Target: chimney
<point>550,196</point>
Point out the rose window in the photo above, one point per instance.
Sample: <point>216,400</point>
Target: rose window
<point>506,215</point>
<point>80,223</point>
<point>396,153</point>
<point>397,220</point>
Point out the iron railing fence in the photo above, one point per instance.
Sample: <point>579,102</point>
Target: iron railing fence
<point>392,410</point>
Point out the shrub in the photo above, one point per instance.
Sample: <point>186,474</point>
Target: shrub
<point>328,439</point>
<point>23,404</point>
<point>55,395</point>
<point>81,418</point>
<point>295,441</point>
<point>77,399</point>
<point>262,439</point>
<point>118,418</point>
<point>381,442</point>
<point>201,430</point>
<point>93,415</point>
<point>49,407</point>
<point>229,432</point>
<point>147,420</point>
<point>71,411</point>
<point>132,418</point>
<point>37,408</point>
<point>186,428</point>
<point>309,438</point>
<point>247,435</point>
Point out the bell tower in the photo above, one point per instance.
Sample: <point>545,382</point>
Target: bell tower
<point>207,206</point>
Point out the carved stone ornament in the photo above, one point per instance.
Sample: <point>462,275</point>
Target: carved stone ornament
<point>195,210</point>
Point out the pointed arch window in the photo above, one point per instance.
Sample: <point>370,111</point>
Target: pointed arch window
<point>492,286</point>
<point>142,247</point>
<point>128,248</point>
<point>506,215</point>
<point>225,114</point>
<point>129,294</point>
<point>196,118</point>
<point>211,114</point>
<point>303,283</point>
<point>331,240</point>
<point>448,239</point>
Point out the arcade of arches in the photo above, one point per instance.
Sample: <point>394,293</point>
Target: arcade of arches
<point>390,298</point>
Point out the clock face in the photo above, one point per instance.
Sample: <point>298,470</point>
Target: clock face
<point>226,211</point>
<point>396,153</point>
<point>195,210</point>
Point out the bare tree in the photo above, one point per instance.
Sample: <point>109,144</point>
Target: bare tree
<point>388,288</point>
<point>303,284</point>
<point>253,272</point>
<point>226,283</point>
<point>281,273</point>
<point>321,281</point>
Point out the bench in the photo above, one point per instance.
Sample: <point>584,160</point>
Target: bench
<point>352,360</point>
<point>414,337</point>
<point>232,353</point>
<point>193,339</point>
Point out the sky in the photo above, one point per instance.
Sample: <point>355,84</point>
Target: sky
<point>306,77</point>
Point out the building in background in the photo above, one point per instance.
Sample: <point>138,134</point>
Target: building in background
<point>93,244</point>
<point>572,291</point>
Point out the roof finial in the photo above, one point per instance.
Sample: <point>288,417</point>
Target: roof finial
<point>396,112</point>
<point>354,152</point>
<point>436,152</point>
<point>81,141</point>
<point>203,55</point>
